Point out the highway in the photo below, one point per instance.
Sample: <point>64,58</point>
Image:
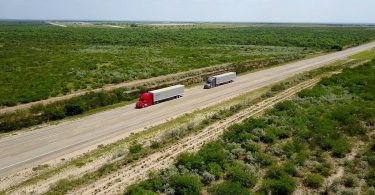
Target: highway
<point>34,147</point>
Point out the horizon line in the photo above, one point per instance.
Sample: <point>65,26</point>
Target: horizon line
<point>192,21</point>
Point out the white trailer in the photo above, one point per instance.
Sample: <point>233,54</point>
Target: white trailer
<point>167,93</point>
<point>217,80</point>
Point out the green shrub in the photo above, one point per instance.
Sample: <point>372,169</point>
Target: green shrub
<point>341,147</point>
<point>237,173</point>
<point>337,47</point>
<point>135,148</point>
<point>283,185</point>
<point>185,184</point>
<point>290,168</point>
<point>207,177</point>
<point>313,180</point>
<point>215,169</point>
<point>213,152</point>
<point>139,191</point>
<point>190,161</point>
<point>269,137</point>
<point>277,87</point>
<point>370,178</point>
<point>323,169</point>
<point>275,172</point>
<point>371,191</point>
<point>155,144</point>
<point>251,147</point>
<point>350,180</point>
<point>316,92</point>
<point>73,108</point>
<point>228,188</point>
<point>263,159</point>
<point>301,157</point>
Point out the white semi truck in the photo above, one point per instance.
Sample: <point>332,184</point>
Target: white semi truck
<point>217,80</point>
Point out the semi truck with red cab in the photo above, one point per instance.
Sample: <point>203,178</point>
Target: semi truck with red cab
<point>160,95</point>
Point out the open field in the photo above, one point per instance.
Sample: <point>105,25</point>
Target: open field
<point>321,141</point>
<point>38,60</point>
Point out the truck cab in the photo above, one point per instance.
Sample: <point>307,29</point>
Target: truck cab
<point>145,100</point>
<point>211,82</point>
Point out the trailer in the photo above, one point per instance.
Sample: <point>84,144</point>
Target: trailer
<point>217,80</point>
<point>160,95</point>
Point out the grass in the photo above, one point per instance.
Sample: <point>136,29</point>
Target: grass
<point>365,55</point>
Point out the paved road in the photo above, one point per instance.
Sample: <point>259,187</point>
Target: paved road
<point>28,149</point>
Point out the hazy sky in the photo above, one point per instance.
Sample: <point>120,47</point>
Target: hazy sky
<point>327,11</point>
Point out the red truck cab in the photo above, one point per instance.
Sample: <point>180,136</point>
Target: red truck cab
<point>145,100</point>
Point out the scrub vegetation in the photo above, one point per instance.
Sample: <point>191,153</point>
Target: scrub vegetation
<point>78,58</point>
<point>128,152</point>
<point>38,61</point>
<point>294,145</point>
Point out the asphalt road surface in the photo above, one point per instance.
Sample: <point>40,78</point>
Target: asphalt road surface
<point>34,147</point>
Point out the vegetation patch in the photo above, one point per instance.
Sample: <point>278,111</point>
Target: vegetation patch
<point>311,129</point>
<point>38,61</point>
<point>185,124</point>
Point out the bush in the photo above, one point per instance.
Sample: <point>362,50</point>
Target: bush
<point>301,157</point>
<point>237,173</point>
<point>73,108</point>
<point>135,148</point>
<point>263,159</point>
<point>337,47</point>
<point>350,181</point>
<point>190,161</point>
<point>340,147</point>
<point>283,185</point>
<point>207,178</point>
<point>371,191</point>
<point>370,178</point>
<point>228,188</point>
<point>155,145</point>
<point>139,191</point>
<point>215,169</point>
<point>269,137</point>
<point>346,191</point>
<point>313,180</point>
<point>277,87</point>
<point>213,152</point>
<point>185,184</point>
<point>290,168</point>
<point>323,169</point>
<point>148,187</point>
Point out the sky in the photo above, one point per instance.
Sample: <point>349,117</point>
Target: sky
<point>305,11</point>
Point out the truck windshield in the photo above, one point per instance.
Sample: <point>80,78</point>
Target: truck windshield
<point>141,99</point>
<point>210,80</point>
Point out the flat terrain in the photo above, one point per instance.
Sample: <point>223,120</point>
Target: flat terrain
<point>40,60</point>
<point>30,148</point>
<point>320,141</point>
